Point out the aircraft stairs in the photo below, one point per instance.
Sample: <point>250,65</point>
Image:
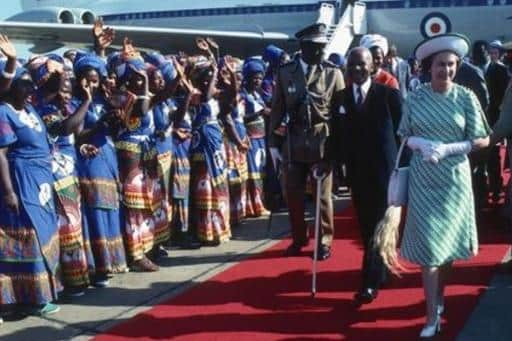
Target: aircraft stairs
<point>341,30</point>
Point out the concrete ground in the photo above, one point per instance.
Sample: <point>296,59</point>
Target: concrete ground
<point>132,293</point>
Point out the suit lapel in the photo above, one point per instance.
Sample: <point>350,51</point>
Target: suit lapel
<point>368,98</point>
<point>350,100</point>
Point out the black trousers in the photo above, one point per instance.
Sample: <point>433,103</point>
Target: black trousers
<point>370,207</point>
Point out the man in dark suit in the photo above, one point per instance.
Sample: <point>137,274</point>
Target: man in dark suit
<point>496,79</point>
<point>472,77</point>
<point>366,128</point>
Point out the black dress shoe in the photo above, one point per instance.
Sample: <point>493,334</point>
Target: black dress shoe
<point>365,296</point>
<point>324,252</point>
<point>293,250</point>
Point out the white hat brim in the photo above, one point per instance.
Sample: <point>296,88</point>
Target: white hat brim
<point>453,42</point>
<point>318,40</point>
<point>507,46</point>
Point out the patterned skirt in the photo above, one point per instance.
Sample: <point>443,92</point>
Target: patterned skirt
<point>105,240</point>
<point>145,208</point>
<point>237,182</point>
<point>256,160</point>
<point>29,242</point>
<point>101,210</point>
<point>210,205</point>
<point>164,157</point>
<point>73,256</point>
<point>180,184</point>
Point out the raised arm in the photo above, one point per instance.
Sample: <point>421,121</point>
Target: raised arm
<point>9,70</point>
<point>103,37</point>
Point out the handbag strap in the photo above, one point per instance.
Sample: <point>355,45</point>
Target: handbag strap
<point>399,155</point>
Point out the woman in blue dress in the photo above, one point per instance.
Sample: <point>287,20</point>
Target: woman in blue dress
<point>255,108</point>
<point>209,190</point>
<point>53,94</point>
<point>146,225</point>
<point>237,145</point>
<point>98,172</point>
<point>180,173</point>
<point>162,81</point>
<point>29,238</point>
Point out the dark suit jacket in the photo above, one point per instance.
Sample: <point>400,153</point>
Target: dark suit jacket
<point>473,78</point>
<point>369,142</point>
<point>497,81</point>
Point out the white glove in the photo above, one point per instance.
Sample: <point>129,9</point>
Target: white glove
<point>275,156</point>
<point>446,149</point>
<point>424,146</point>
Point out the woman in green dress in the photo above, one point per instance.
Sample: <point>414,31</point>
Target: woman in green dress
<point>442,122</point>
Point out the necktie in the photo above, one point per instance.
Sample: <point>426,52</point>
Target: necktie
<point>359,99</point>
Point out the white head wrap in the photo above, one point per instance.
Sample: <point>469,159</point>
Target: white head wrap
<point>371,40</point>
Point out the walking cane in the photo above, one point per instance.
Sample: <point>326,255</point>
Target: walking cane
<point>318,177</point>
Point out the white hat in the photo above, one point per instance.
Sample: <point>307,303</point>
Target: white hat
<point>496,44</point>
<point>372,40</point>
<point>456,43</point>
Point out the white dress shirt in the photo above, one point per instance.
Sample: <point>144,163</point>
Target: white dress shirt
<point>365,87</point>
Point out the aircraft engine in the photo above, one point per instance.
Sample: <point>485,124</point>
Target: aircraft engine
<point>46,14</point>
<point>84,16</point>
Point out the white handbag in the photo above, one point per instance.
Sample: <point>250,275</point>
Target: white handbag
<point>398,182</point>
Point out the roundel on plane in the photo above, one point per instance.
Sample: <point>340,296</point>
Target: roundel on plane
<point>435,23</point>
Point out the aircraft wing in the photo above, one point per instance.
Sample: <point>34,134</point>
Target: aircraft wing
<point>48,36</point>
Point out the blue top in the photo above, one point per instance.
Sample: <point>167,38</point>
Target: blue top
<point>161,112</point>
<point>24,130</point>
<point>96,110</point>
<point>53,116</point>
<point>138,128</point>
<point>63,147</point>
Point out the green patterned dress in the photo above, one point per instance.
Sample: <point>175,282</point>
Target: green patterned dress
<point>440,223</point>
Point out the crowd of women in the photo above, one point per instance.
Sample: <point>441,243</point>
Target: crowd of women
<point>105,159</point>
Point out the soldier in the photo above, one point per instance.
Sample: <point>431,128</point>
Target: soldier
<point>307,94</point>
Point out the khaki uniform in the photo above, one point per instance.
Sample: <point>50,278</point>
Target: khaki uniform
<point>309,101</point>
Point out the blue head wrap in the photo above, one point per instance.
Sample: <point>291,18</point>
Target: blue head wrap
<point>55,57</point>
<point>113,61</point>
<point>337,59</point>
<point>89,60</point>
<point>168,72</point>
<point>272,55</point>
<point>253,66</point>
<point>124,70</point>
<point>155,58</point>
<point>164,65</point>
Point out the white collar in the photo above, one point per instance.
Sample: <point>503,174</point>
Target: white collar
<point>365,87</point>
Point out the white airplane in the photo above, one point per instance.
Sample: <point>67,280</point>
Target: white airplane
<point>244,27</point>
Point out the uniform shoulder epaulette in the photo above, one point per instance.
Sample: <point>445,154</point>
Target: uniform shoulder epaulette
<point>288,63</point>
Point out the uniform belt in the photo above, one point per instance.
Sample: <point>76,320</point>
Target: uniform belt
<point>301,125</point>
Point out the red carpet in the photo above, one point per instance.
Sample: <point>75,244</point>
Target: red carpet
<point>267,297</point>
